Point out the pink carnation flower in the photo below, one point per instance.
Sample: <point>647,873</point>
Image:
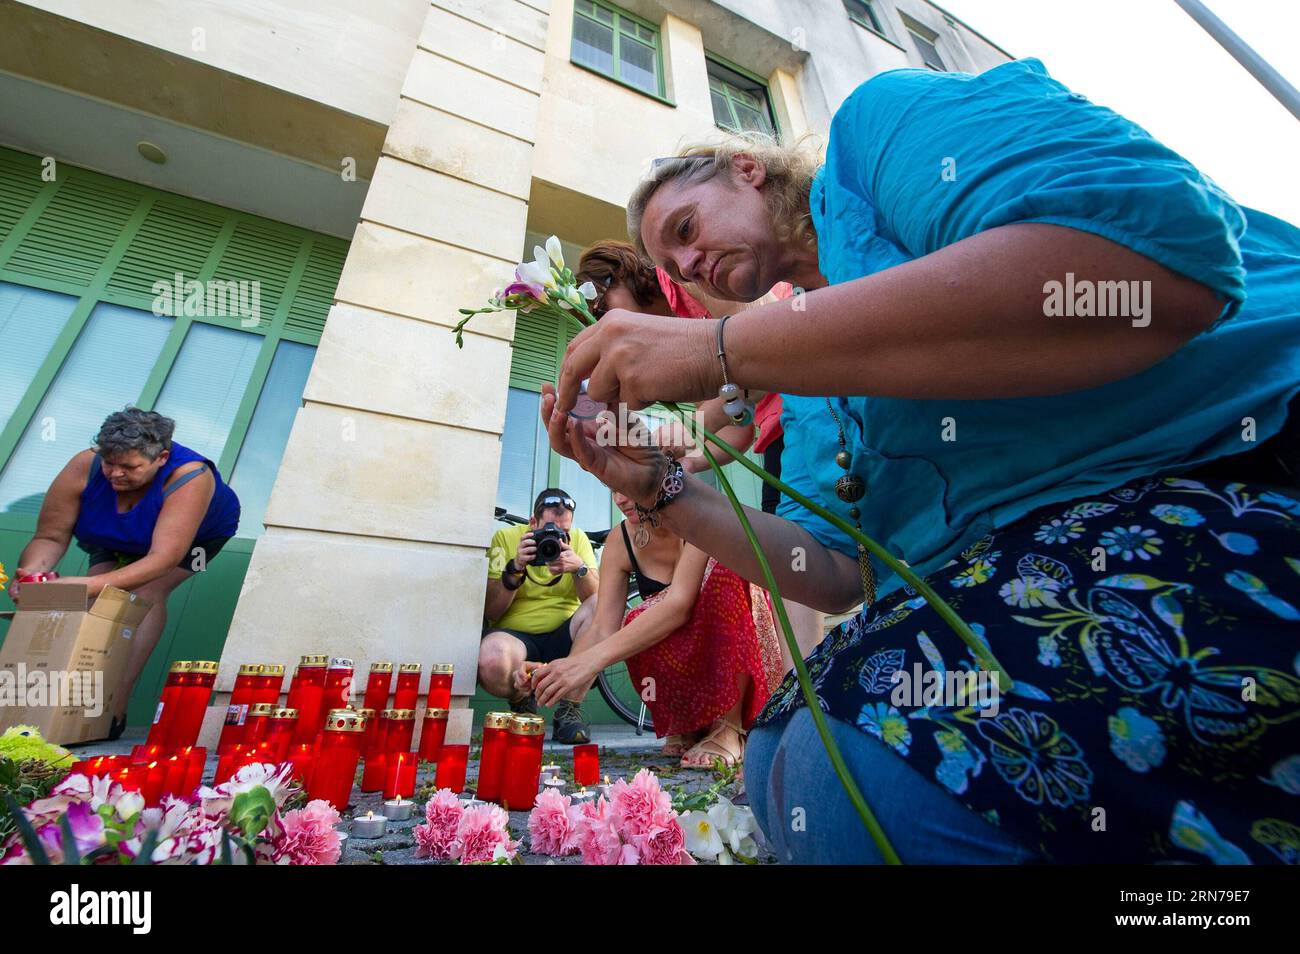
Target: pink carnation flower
<point>550,827</point>
<point>596,835</point>
<point>309,837</point>
<point>664,842</point>
<point>436,838</point>
<point>482,829</point>
<point>634,807</point>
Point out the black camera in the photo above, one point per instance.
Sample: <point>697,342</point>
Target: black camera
<point>548,539</point>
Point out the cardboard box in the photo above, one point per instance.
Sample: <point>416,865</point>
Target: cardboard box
<point>60,661</point>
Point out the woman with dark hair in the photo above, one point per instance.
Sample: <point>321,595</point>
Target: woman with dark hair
<point>149,511</point>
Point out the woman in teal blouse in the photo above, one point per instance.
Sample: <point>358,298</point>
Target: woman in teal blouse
<point>1048,363</point>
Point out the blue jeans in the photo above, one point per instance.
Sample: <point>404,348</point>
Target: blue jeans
<point>803,810</point>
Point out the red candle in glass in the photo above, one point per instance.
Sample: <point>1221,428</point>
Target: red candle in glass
<point>408,686</point>
<point>191,706</point>
<point>295,688</point>
<point>337,693</point>
<point>279,732</point>
<point>144,753</point>
<point>259,720</point>
<point>451,768</point>
<point>375,772</point>
<point>401,730</point>
<point>336,761</point>
<point>440,685</point>
<point>492,759</point>
<point>196,760</point>
<point>399,775</point>
<point>177,766</point>
<point>378,686</point>
<point>376,741</point>
<point>372,728</point>
<point>432,733</point>
<point>155,777</point>
<point>523,769</point>
<point>586,764</point>
<point>132,777</point>
<point>227,762</point>
<point>166,709</point>
<point>303,757</point>
<point>241,697</point>
<point>266,688</point>
<point>311,685</point>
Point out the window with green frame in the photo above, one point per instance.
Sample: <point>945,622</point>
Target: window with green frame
<point>740,101</point>
<point>617,44</point>
<point>91,268</point>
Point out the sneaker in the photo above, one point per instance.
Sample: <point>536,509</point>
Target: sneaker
<point>569,727</point>
<point>525,706</point>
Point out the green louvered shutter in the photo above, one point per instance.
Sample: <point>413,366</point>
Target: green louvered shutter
<point>77,230</point>
<point>20,183</point>
<point>535,351</point>
<point>174,237</point>
<point>315,293</point>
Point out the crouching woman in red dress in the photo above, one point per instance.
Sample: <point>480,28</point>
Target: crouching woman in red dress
<point>701,647</point>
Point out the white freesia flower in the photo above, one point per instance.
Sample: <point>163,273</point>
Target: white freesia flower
<point>555,253</point>
<point>702,838</point>
<point>588,291</point>
<point>538,271</point>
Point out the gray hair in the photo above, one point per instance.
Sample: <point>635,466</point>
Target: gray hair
<point>132,429</point>
<point>790,170</point>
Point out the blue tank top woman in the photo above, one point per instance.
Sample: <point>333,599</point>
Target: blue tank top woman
<point>101,529</point>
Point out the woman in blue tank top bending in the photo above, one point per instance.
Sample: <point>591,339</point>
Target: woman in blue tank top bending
<point>149,511</point>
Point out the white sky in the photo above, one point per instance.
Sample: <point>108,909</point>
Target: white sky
<point>1150,61</point>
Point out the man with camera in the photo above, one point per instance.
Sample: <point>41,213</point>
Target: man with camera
<point>541,590</point>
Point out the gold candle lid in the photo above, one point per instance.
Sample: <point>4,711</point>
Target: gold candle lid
<point>381,667</point>
<point>408,667</point>
<point>250,669</point>
<point>368,713</point>
<point>435,713</point>
<point>284,713</point>
<point>497,720</point>
<point>397,715</point>
<point>314,659</point>
<point>182,665</point>
<point>441,668</point>
<point>273,669</point>
<point>261,709</point>
<point>204,666</point>
<point>345,720</point>
<point>521,724</point>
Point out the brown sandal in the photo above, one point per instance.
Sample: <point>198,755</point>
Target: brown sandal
<point>680,744</point>
<point>710,748</point>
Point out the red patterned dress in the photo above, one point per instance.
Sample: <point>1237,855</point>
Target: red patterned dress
<point>695,668</point>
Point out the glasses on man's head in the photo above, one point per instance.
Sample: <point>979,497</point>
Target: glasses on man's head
<point>555,501</point>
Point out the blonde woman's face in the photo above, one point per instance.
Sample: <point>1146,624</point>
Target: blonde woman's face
<point>716,234</point>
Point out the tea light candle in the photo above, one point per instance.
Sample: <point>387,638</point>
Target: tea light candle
<point>550,771</point>
<point>369,825</point>
<point>398,809</point>
<point>604,789</point>
<point>582,795</point>
<point>555,784</point>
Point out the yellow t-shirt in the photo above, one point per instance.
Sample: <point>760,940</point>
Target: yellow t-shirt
<point>537,607</point>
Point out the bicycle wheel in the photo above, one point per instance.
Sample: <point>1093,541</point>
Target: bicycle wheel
<point>616,688</point>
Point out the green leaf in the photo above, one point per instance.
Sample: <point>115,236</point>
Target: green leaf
<point>251,811</point>
<point>71,856</point>
<point>145,855</point>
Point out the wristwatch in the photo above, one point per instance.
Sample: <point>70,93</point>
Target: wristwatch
<point>581,571</point>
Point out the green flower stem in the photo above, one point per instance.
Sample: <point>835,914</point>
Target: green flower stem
<point>985,656</point>
<point>801,672</point>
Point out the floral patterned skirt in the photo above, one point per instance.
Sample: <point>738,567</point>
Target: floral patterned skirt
<point>1153,638</point>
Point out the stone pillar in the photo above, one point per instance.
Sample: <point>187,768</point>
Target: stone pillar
<point>380,517</point>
